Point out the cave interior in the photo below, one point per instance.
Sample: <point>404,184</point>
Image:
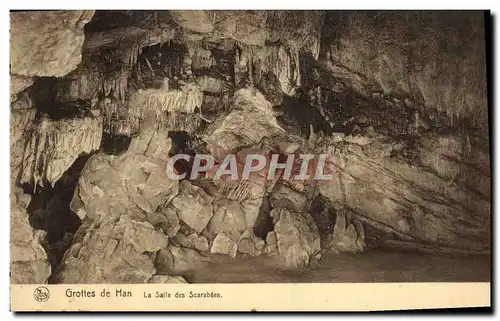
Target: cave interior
<point>397,100</point>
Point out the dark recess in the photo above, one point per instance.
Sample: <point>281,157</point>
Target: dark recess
<point>115,144</point>
<point>49,210</point>
<point>44,99</point>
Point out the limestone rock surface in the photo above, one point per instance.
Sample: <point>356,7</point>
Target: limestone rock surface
<point>29,263</point>
<point>47,43</point>
<point>297,237</point>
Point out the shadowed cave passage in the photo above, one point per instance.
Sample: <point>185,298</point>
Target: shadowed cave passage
<point>49,210</point>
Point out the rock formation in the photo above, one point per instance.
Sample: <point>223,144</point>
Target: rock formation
<point>396,100</point>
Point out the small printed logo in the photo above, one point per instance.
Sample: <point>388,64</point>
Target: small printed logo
<point>41,294</point>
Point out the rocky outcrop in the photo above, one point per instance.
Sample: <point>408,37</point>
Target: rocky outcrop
<point>43,44</point>
<point>193,206</point>
<point>229,216</point>
<point>271,244</point>
<point>435,201</point>
<point>297,237</point>
<point>250,244</point>
<point>108,255</point>
<point>22,118</point>
<point>192,241</point>
<point>146,182</point>
<point>195,20</point>
<point>176,260</point>
<point>284,196</point>
<point>118,196</point>
<point>166,279</point>
<point>238,202</point>
<point>46,43</point>
<point>28,258</point>
<point>253,28</point>
<point>18,84</point>
<point>224,244</point>
<point>167,219</point>
<point>153,142</point>
<point>251,119</point>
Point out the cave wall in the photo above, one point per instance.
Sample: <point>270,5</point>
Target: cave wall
<point>434,173</point>
<point>436,60</point>
<point>43,44</point>
<point>440,201</point>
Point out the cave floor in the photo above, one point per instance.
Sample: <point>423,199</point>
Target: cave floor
<point>369,266</point>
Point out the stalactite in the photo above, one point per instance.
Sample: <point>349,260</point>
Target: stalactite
<point>210,84</point>
<point>202,58</point>
<point>163,103</point>
<point>187,99</point>
<point>240,67</point>
<point>92,80</point>
<point>181,122</point>
<point>54,145</point>
<point>316,47</point>
<point>250,73</point>
<point>283,62</point>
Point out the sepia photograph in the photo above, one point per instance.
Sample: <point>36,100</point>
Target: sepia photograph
<point>223,150</point>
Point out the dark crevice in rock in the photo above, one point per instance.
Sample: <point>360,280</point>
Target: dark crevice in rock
<point>181,143</point>
<point>44,93</point>
<point>324,215</point>
<point>107,20</point>
<point>264,223</point>
<point>115,144</point>
<point>296,116</point>
<point>159,62</point>
<point>49,210</point>
<point>223,67</point>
